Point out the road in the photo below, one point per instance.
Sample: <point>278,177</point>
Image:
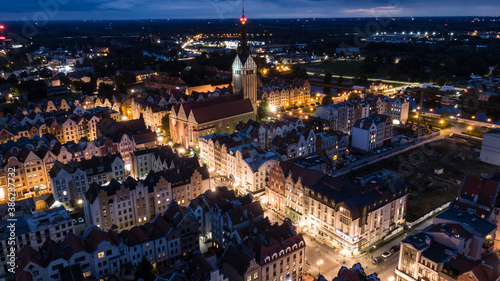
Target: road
<point>334,259</point>
<point>465,122</point>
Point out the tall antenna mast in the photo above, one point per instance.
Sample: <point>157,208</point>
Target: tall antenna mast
<point>243,42</point>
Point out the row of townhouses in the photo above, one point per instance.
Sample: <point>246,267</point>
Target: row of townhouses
<point>244,163</point>
<point>33,158</point>
<point>176,237</point>
<point>254,249</point>
<point>168,238</point>
<point>121,205</point>
<point>72,180</point>
<point>283,93</point>
<point>342,116</point>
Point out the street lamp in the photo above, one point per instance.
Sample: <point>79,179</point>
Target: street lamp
<point>374,247</point>
<point>319,263</point>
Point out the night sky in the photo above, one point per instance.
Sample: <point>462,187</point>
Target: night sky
<point>32,10</point>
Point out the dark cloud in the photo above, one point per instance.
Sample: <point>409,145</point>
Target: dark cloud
<point>140,9</point>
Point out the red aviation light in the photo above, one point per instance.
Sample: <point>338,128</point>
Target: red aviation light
<point>2,27</point>
<point>243,20</point>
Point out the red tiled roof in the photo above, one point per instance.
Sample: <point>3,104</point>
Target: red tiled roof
<point>139,234</point>
<point>309,177</point>
<point>94,238</point>
<point>462,206</point>
<point>451,229</point>
<point>276,246</point>
<point>72,244</point>
<point>222,110</point>
<point>484,190</point>
<point>216,108</point>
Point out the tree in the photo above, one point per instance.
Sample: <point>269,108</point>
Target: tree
<point>496,71</point>
<point>340,80</point>
<point>145,271</point>
<point>45,73</point>
<point>328,78</point>
<point>23,75</point>
<point>327,99</point>
<point>446,114</point>
<point>12,80</point>
<point>353,96</point>
<point>165,125</point>
<point>263,110</point>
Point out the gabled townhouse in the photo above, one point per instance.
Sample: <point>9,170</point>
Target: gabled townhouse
<point>72,180</point>
<point>283,93</point>
<point>122,205</point>
<point>341,116</point>
<point>333,144</point>
<point>372,132</point>
<point>295,143</point>
<point>208,208</point>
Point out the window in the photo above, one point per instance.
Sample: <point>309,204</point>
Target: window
<point>100,255</point>
<point>255,275</point>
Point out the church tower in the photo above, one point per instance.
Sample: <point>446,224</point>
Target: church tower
<point>245,68</point>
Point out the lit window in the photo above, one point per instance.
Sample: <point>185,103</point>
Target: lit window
<point>100,255</point>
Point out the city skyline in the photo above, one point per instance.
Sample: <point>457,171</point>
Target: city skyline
<point>194,9</point>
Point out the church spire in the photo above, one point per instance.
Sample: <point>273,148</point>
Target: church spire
<point>243,42</point>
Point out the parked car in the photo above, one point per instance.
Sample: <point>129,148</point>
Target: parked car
<point>74,221</point>
<point>387,254</point>
<point>377,260</point>
<point>394,249</point>
<point>80,220</point>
